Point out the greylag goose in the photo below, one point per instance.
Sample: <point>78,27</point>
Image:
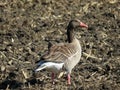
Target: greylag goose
<point>63,56</point>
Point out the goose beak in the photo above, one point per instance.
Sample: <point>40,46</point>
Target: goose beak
<point>83,25</point>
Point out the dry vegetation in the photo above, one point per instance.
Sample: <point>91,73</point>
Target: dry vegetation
<point>27,26</point>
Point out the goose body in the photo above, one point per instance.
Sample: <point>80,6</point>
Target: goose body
<point>63,56</point>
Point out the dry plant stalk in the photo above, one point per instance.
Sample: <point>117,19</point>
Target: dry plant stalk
<point>24,74</point>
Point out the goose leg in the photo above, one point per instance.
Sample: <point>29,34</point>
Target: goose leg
<point>68,77</point>
<point>52,76</point>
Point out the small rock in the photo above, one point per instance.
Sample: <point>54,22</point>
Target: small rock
<point>2,68</point>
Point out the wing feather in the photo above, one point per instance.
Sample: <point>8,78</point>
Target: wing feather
<point>60,53</point>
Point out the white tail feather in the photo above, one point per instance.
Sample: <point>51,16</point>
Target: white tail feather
<point>40,68</point>
<point>51,65</point>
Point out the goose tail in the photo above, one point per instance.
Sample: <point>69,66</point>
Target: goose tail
<point>40,66</point>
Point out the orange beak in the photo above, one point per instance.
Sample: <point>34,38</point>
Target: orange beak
<point>83,25</point>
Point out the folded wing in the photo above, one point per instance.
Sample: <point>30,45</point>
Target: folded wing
<point>60,52</point>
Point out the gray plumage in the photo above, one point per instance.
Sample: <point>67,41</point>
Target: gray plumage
<point>64,55</point>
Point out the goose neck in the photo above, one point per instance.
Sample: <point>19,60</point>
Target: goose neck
<point>70,35</point>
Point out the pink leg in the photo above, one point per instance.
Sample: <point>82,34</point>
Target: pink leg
<point>68,77</point>
<point>53,75</point>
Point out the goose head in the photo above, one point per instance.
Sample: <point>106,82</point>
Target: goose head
<point>76,23</point>
<point>73,24</point>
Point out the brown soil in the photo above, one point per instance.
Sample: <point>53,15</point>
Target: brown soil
<point>27,26</point>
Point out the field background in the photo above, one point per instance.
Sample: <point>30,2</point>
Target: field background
<point>27,26</point>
